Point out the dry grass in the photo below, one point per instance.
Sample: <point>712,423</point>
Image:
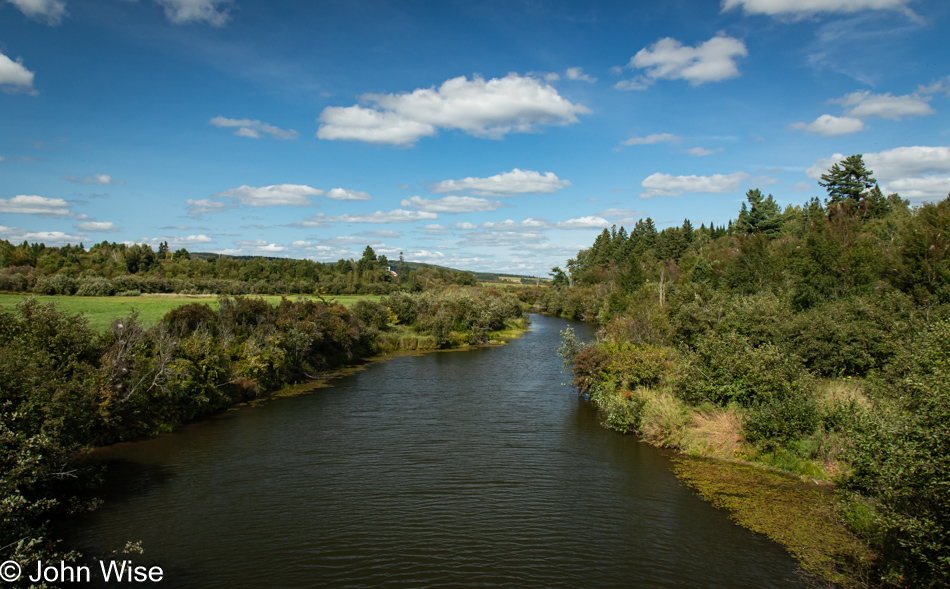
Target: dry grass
<point>841,392</point>
<point>716,433</point>
<point>665,419</point>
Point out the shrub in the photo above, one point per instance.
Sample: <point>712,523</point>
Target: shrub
<point>95,286</point>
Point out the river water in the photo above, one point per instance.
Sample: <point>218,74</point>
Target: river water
<point>457,469</point>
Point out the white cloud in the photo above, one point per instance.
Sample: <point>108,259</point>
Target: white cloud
<point>651,139</point>
<point>942,85</point>
<point>296,195</point>
<point>14,77</point>
<point>381,234</point>
<point>528,225</point>
<point>701,151</point>
<point>34,205</point>
<point>355,123</point>
<point>669,59</point>
<point>830,125</point>
<point>450,204</point>
<point>802,8</point>
<point>50,11</point>
<point>504,184</point>
<point>206,205</point>
<point>901,162</point>
<point>916,172</point>
<point>260,246</point>
<point>434,229</point>
<point>576,73</point>
<point>253,128</point>
<point>917,189</point>
<point>103,179</point>
<point>178,241</point>
<point>493,108</point>
<point>341,194</point>
<point>48,237</point>
<point>394,216</point>
<point>864,105</point>
<point>98,226</point>
<point>667,185</point>
<point>592,222</point>
<point>213,12</point>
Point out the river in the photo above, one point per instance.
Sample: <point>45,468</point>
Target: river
<point>455,469</point>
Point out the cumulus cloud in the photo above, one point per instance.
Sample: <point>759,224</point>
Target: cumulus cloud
<point>492,109</point>
<point>341,194</point>
<point>49,11</point>
<point>915,172</point>
<point>393,216</point>
<point>651,139</point>
<point>450,204</point>
<point>213,12</point>
<point>47,237</point>
<point>104,179</point>
<point>507,233</point>
<point>259,246</point>
<point>504,184</point>
<point>803,8</point>
<point>98,226</point>
<point>295,195</point>
<point>668,185</point>
<point>864,105</point>
<point>830,125</point>
<point>253,128</point>
<point>34,205</point>
<point>206,205</point>
<point>576,73</point>
<point>592,222</point>
<point>14,77</point>
<point>668,59</point>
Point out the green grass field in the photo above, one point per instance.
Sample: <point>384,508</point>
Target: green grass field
<point>101,311</point>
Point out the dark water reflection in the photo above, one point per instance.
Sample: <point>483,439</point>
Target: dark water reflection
<point>460,469</point>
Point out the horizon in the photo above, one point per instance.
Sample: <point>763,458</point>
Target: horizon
<point>501,137</point>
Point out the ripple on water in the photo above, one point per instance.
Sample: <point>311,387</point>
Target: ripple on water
<point>472,468</point>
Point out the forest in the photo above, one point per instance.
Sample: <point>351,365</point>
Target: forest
<point>813,340</point>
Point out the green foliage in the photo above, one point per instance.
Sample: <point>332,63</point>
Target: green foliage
<point>762,216</point>
<point>901,460</point>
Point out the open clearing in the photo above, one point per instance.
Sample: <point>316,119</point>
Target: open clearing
<point>101,311</point>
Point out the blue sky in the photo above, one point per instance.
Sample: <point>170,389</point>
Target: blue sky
<point>497,135</point>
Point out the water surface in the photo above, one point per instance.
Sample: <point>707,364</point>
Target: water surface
<point>459,469</point>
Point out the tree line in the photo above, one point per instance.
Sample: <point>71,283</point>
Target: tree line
<point>108,269</point>
<point>820,332</point>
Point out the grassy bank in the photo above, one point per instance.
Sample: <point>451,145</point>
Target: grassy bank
<point>101,311</point>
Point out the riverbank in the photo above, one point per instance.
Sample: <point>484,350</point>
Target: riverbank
<point>67,388</point>
<point>452,468</point>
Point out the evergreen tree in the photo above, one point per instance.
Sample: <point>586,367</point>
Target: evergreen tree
<point>762,216</point>
<point>848,182</point>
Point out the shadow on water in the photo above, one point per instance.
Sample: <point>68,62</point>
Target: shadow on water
<point>441,470</point>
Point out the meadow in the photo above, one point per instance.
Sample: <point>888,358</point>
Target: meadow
<point>101,311</point>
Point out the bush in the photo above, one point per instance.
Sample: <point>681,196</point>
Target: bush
<point>95,286</point>
<point>901,460</point>
<point>727,368</point>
